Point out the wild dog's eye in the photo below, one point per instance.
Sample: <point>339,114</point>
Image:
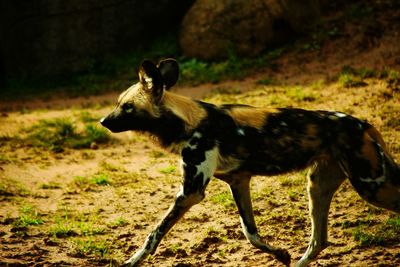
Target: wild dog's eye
<point>128,107</point>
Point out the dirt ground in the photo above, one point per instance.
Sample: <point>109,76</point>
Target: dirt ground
<point>94,205</point>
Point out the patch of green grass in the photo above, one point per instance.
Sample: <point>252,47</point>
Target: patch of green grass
<point>225,199</point>
<point>75,224</point>
<point>194,71</point>
<point>392,78</point>
<point>62,229</point>
<point>222,253</point>
<point>106,166</point>
<point>87,246</point>
<point>293,195</point>
<point>81,181</point>
<point>364,222</point>
<point>175,247</point>
<point>28,216</point>
<point>50,185</point>
<point>299,94</point>
<point>100,179</point>
<point>393,123</point>
<point>84,182</point>
<point>91,135</point>
<point>10,187</point>
<point>51,134</point>
<point>225,91</point>
<point>88,155</point>
<point>4,159</point>
<point>88,229</point>
<point>348,80</point>
<point>60,133</point>
<point>156,154</point>
<point>381,235</point>
<point>365,73</point>
<point>88,117</point>
<point>292,181</point>
<point>277,100</point>
<point>118,222</point>
<point>317,85</point>
<point>393,75</point>
<point>168,170</point>
<point>354,77</point>
<point>366,238</point>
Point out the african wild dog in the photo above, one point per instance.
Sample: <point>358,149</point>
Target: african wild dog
<point>234,142</point>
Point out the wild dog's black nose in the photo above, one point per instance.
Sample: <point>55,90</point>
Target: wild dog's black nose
<point>103,121</point>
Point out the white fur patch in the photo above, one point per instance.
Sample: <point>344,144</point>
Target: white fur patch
<point>240,132</point>
<point>149,81</point>
<point>340,115</point>
<point>378,180</point>
<point>193,147</point>
<point>208,167</point>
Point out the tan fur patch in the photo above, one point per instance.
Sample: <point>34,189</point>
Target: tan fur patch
<point>311,139</point>
<point>253,117</point>
<point>387,196</point>
<point>185,108</point>
<point>377,137</point>
<point>369,152</point>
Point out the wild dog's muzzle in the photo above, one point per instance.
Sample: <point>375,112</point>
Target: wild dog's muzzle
<point>112,124</point>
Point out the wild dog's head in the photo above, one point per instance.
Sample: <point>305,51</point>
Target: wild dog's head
<point>138,106</point>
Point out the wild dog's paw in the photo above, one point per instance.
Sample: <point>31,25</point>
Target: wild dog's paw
<point>130,263</point>
<point>283,256</point>
<point>136,259</point>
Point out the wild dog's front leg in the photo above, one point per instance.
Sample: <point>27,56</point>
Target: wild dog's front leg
<point>239,185</point>
<point>176,211</point>
<point>196,175</point>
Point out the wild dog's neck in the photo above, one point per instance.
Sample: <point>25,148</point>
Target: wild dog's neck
<point>179,115</point>
<point>185,108</point>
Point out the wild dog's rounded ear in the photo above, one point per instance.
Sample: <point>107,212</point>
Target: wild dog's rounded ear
<point>151,78</point>
<point>169,69</point>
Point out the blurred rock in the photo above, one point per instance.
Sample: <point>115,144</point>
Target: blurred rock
<point>55,37</point>
<point>212,29</point>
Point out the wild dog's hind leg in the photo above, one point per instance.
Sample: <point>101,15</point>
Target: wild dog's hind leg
<point>239,185</point>
<point>195,180</point>
<point>324,178</point>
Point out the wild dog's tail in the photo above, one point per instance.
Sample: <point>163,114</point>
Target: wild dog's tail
<point>370,167</point>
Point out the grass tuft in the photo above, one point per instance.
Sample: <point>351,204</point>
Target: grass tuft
<point>50,185</point>
<point>383,234</point>
<point>348,80</point>
<point>62,229</point>
<point>100,179</point>
<point>85,247</point>
<point>168,170</point>
<point>28,216</point>
<point>10,187</point>
<point>118,222</point>
<point>225,199</point>
<point>60,133</point>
